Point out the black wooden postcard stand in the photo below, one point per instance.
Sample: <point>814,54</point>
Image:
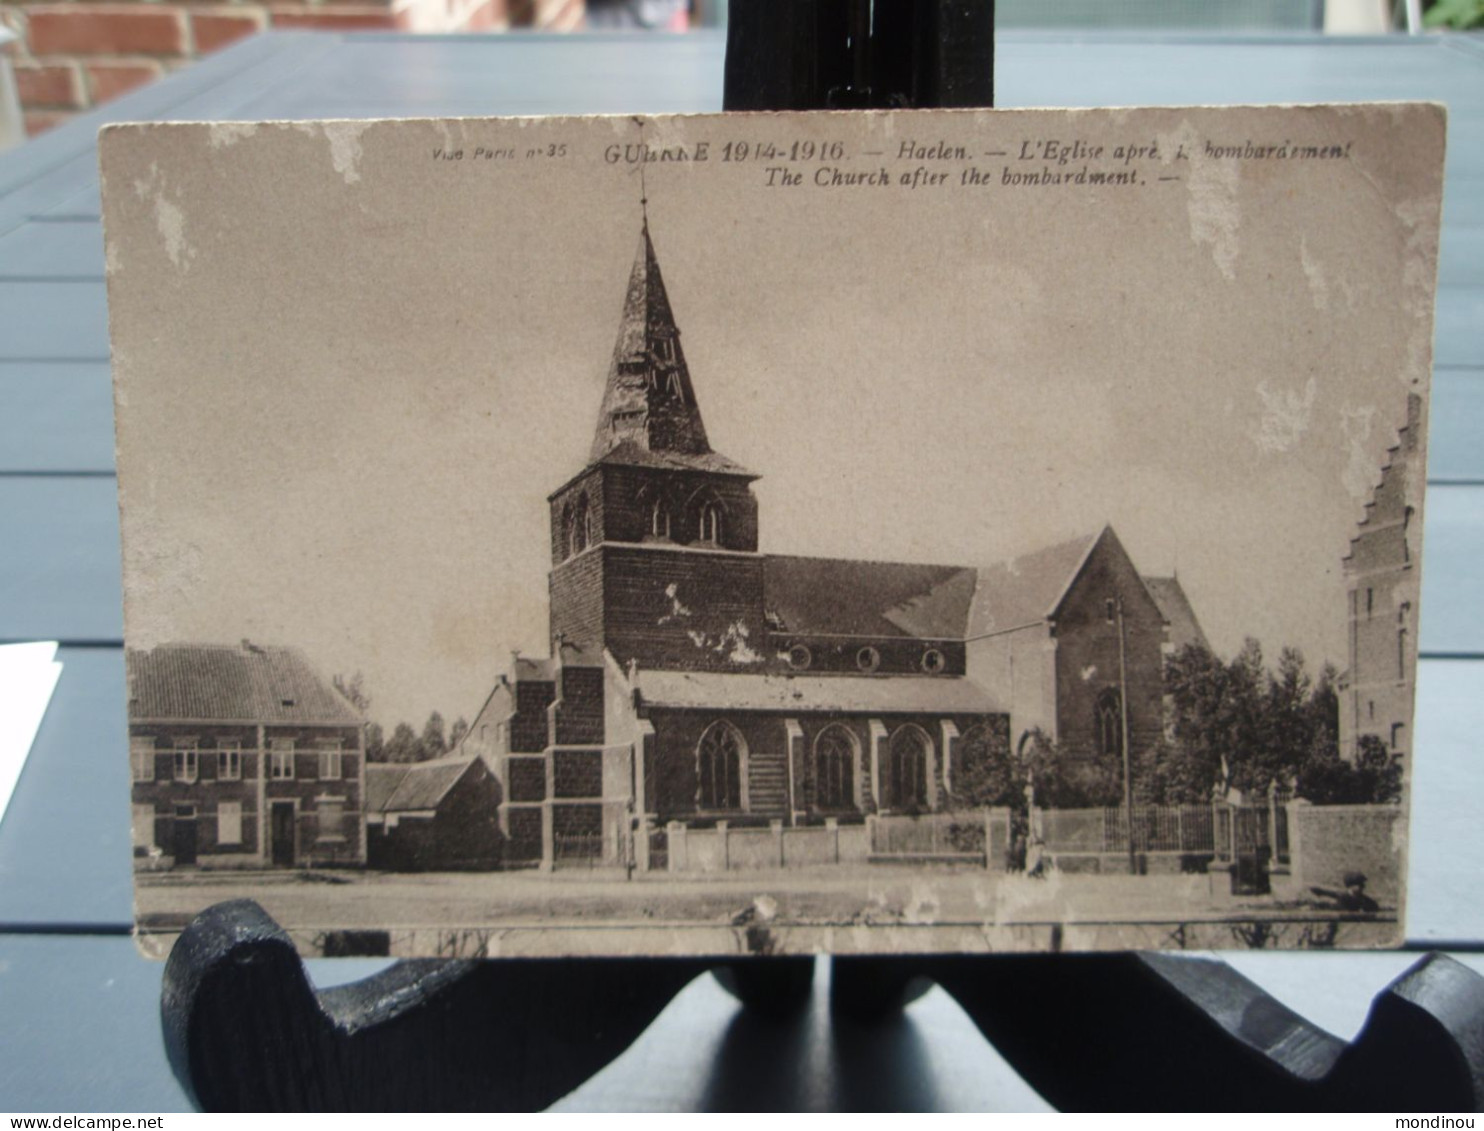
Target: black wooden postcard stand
<point>245,1030</point>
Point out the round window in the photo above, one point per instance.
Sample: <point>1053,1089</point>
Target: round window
<point>868,659</point>
<point>933,661</point>
<point>799,657</point>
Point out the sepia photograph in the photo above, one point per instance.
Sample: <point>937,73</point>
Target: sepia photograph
<point>889,532</point>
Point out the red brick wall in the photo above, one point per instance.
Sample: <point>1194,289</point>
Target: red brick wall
<point>74,56</point>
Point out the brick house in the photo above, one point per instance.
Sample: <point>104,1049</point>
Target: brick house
<point>242,757</point>
<point>694,678</point>
<point>1382,590</point>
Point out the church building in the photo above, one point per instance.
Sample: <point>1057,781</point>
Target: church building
<point>694,678</point>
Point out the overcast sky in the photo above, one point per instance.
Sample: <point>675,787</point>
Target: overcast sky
<point>351,373</point>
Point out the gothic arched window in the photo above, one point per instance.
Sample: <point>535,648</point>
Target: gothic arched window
<point>907,778</point>
<point>582,526</point>
<point>710,525</point>
<point>719,757</point>
<point>1108,724</point>
<point>835,752</point>
<point>659,519</point>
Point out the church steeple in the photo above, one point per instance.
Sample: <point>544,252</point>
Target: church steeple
<point>649,407</point>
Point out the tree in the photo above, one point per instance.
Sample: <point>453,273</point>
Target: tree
<point>1375,778</point>
<point>433,744</point>
<point>353,690</point>
<point>375,743</point>
<point>988,773</point>
<point>1066,783</point>
<point>1208,700</point>
<point>403,746</point>
<point>1240,723</point>
<point>1163,775</point>
<point>457,732</point>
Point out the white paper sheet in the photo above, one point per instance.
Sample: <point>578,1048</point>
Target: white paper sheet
<point>28,676</point>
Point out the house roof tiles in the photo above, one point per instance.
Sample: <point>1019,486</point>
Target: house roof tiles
<point>409,787</point>
<point>240,683</point>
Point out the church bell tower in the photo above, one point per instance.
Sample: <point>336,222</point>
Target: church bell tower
<point>656,512</point>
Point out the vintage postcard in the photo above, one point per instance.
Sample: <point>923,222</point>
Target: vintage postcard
<point>791,533</point>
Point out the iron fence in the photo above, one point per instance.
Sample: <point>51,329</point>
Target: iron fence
<point>578,849</point>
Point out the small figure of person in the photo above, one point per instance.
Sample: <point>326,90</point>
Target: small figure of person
<point>1035,857</point>
<point>1353,898</point>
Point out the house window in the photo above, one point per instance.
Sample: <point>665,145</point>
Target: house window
<point>834,768</point>
<point>710,523</point>
<point>1108,725</point>
<point>229,822</point>
<point>329,759</point>
<point>659,519</point>
<point>187,761</point>
<point>142,758</point>
<point>1397,732</point>
<point>329,819</point>
<point>933,661</point>
<point>1370,602</point>
<point>281,758</point>
<point>868,659</point>
<point>719,766</point>
<point>664,349</point>
<point>799,657</point>
<point>907,778</point>
<point>228,760</point>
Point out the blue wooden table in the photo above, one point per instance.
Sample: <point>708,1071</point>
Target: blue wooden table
<point>80,1024</point>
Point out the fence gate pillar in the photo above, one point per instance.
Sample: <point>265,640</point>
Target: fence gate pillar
<point>641,843</point>
<point>548,836</point>
<point>794,734</point>
<point>878,738</point>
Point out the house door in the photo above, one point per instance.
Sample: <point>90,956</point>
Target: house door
<point>183,837</point>
<point>283,834</point>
